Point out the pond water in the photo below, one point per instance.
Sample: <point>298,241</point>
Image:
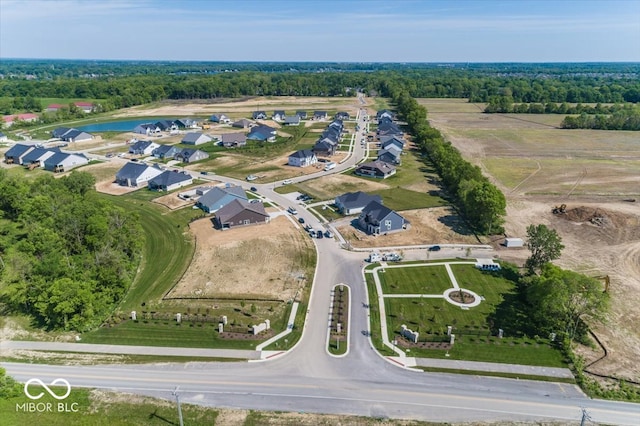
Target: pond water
<point>117,126</point>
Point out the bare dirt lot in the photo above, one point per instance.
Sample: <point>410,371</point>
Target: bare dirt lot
<point>258,262</point>
<point>539,166</point>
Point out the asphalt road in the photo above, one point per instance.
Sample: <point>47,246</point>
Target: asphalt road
<point>308,379</point>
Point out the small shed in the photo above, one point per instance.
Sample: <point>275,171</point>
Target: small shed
<point>513,242</point>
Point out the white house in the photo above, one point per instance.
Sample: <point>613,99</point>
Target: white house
<point>195,138</point>
<point>302,158</point>
<point>136,174</point>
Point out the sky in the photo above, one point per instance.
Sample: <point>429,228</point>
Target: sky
<point>323,30</point>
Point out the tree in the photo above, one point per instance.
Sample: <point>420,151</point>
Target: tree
<point>9,388</point>
<point>545,245</point>
<point>561,301</point>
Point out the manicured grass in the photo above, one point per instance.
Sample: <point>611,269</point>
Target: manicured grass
<point>498,374</point>
<point>475,328</point>
<point>415,280</point>
<point>165,333</point>
<point>103,410</point>
<point>404,199</point>
<point>66,358</point>
<point>374,318</point>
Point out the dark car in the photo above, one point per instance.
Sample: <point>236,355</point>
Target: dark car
<point>319,234</point>
<point>254,189</point>
<point>434,248</point>
<point>301,219</point>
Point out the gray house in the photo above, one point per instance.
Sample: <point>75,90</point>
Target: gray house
<point>165,151</point>
<point>355,202</point>
<point>376,169</point>
<point>170,180</point>
<point>293,120</point>
<point>302,114</point>
<point>302,158</point>
<point>377,219</point>
<point>342,115</point>
<point>279,115</point>
<point>195,138</point>
<point>16,153</point>
<point>190,155</point>
<point>143,147</point>
<point>63,162</point>
<point>136,174</point>
<point>259,115</point>
<point>240,213</point>
<point>390,155</point>
<point>233,140</point>
<point>216,198</point>
<point>37,156</point>
<point>243,124</point>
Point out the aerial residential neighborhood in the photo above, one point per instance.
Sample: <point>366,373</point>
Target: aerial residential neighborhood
<point>303,213</point>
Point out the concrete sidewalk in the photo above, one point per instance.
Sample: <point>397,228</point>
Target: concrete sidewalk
<point>127,350</point>
<point>532,370</point>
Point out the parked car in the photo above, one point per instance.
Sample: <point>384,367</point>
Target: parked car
<point>292,210</point>
<point>251,177</point>
<point>328,234</point>
<point>254,189</point>
<point>287,182</point>
<point>434,248</point>
<point>301,220</point>
<point>319,234</point>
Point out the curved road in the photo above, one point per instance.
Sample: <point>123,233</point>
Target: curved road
<point>362,383</point>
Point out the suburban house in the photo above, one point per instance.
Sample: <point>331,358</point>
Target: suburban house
<point>219,118</point>
<point>53,107</point>
<point>385,141</point>
<point>143,147</point>
<point>240,213</point>
<point>233,140</point>
<point>325,147</point>
<point>8,120</point>
<point>186,123</point>
<point>385,113</point>
<point>293,120</point>
<point>376,169</point>
<point>390,129</point>
<point>195,138</point>
<point>355,202</point>
<point>391,154</point>
<point>35,157</point>
<point>86,107</point>
<point>320,115</point>
<point>279,115</point>
<point>218,197</point>
<point>147,129</point>
<point>165,151</point>
<point>3,137</point>
<point>342,115</point>
<point>302,115</point>
<point>170,180</point>
<point>189,155</point>
<point>16,153</point>
<point>378,219</point>
<point>302,158</point>
<point>243,124</point>
<point>259,115</point>
<point>71,135</point>
<point>136,174</point>
<point>63,162</point>
<point>166,125</point>
<point>262,133</point>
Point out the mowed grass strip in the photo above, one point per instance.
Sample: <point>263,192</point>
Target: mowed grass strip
<point>404,199</point>
<point>415,280</point>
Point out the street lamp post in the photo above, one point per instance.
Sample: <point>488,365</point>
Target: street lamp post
<point>175,393</point>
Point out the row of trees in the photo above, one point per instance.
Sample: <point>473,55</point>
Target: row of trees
<point>505,104</point>
<point>68,255</point>
<point>626,119</point>
<point>481,202</point>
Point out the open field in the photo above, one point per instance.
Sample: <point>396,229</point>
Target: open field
<point>258,262</point>
<point>415,280</point>
<point>539,166</point>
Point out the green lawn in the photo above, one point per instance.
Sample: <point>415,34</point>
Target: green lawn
<point>404,199</point>
<point>415,280</point>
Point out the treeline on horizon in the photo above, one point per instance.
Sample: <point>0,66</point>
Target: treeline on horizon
<point>122,84</point>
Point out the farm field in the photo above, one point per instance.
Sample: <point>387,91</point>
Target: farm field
<point>538,166</point>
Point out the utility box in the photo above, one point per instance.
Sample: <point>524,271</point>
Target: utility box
<point>513,242</point>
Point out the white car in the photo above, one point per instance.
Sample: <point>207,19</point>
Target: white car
<point>292,210</point>
<point>287,182</point>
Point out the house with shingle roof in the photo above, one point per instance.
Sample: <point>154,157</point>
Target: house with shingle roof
<point>243,124</point>
<point>302,115</point>
<point>195,138</point>
<point>170,180</point>
<point>37,156</point>
<point>279,115</point>
<point>240,213</point>
<point>320,115</point>
<point>190,155</point>
<point>3,137</point>
<point>376,169</point>
<point>342,115</point>
<point>355,202</point>
<point>219,118</point>
<point>75,135</point>
<point>218,197</point>
<point>233,140</point>
<point>378,219</point>
<point>302,158</point>
<point>16,153</point>
<point>136,174</point>
<point>146,129</point>
<point>143,148</point>
<point>259,115</point>
<point>262,133</point>
<point>63,162</point>
<point>166,151</point>
<point>293,120</point>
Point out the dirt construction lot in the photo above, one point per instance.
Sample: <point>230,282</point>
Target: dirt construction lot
<point>256,262</point>
<point>539,166</point>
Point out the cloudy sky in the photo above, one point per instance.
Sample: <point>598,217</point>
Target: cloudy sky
<point>323,30</point>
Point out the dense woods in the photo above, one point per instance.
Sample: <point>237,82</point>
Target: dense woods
<point>67,255</point>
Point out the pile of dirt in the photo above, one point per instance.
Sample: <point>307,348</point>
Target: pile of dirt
<point>594,216</point>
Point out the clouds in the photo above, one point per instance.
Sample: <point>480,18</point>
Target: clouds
<point>406,31</point>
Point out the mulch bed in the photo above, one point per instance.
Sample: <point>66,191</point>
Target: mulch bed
<point>246,336</point>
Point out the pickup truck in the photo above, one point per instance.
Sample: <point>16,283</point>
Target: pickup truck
<point>292,210</point>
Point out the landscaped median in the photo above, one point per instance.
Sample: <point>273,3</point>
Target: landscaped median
<point>424,320</point>
<point>340,318</point>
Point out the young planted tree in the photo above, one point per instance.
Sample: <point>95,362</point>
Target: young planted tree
<point>545,245</point>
